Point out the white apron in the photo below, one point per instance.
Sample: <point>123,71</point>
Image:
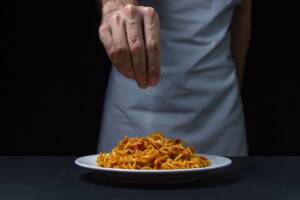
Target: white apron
<point>197,99</point>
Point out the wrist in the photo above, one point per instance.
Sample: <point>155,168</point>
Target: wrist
<point>111,5</point>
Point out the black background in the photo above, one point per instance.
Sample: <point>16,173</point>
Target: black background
<point>54,73</point>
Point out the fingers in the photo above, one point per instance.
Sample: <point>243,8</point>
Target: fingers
<point>121,57</point>
<point>152,44</point>
<point>136,44</point>
<point>107,40</point>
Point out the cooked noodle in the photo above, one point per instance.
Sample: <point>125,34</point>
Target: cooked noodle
<point>151,152</point>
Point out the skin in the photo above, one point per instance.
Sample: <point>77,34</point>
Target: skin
<point>130,34</point>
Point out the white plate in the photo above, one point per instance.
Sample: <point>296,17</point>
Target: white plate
<point>153,176</point>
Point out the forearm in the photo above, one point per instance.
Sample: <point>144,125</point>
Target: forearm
<point>240,36</point>
<point>110,5</point>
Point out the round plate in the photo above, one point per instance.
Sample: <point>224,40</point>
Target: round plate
<point>153,176</point>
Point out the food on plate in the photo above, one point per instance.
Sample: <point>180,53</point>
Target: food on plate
<point>153,152</point>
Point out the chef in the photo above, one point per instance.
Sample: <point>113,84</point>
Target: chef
<point>177,68</point>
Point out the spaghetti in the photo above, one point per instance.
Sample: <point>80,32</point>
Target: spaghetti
<point>151,152</point>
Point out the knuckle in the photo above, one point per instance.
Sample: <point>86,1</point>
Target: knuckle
<point>116,18</point>
<point>103,28</point>
<point>120,51</point>
<point>136,47</point>
<point>130,10</point>
<point>149,11</point>
<point>111,52</point>
<point>108,46</point>
<point>153,46</point>
<point>115,52</point>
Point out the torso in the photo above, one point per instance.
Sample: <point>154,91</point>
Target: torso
<point>198,97</point>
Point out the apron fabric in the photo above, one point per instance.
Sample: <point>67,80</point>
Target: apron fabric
<point>197,99</point>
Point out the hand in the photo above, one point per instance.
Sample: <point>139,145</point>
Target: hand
<point>130,35</point>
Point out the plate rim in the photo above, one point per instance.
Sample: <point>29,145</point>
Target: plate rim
<point>227,162</point>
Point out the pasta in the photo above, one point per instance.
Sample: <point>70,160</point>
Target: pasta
<point>154,152</point>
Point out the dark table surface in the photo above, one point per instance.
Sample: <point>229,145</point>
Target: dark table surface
<point>46,178</point>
